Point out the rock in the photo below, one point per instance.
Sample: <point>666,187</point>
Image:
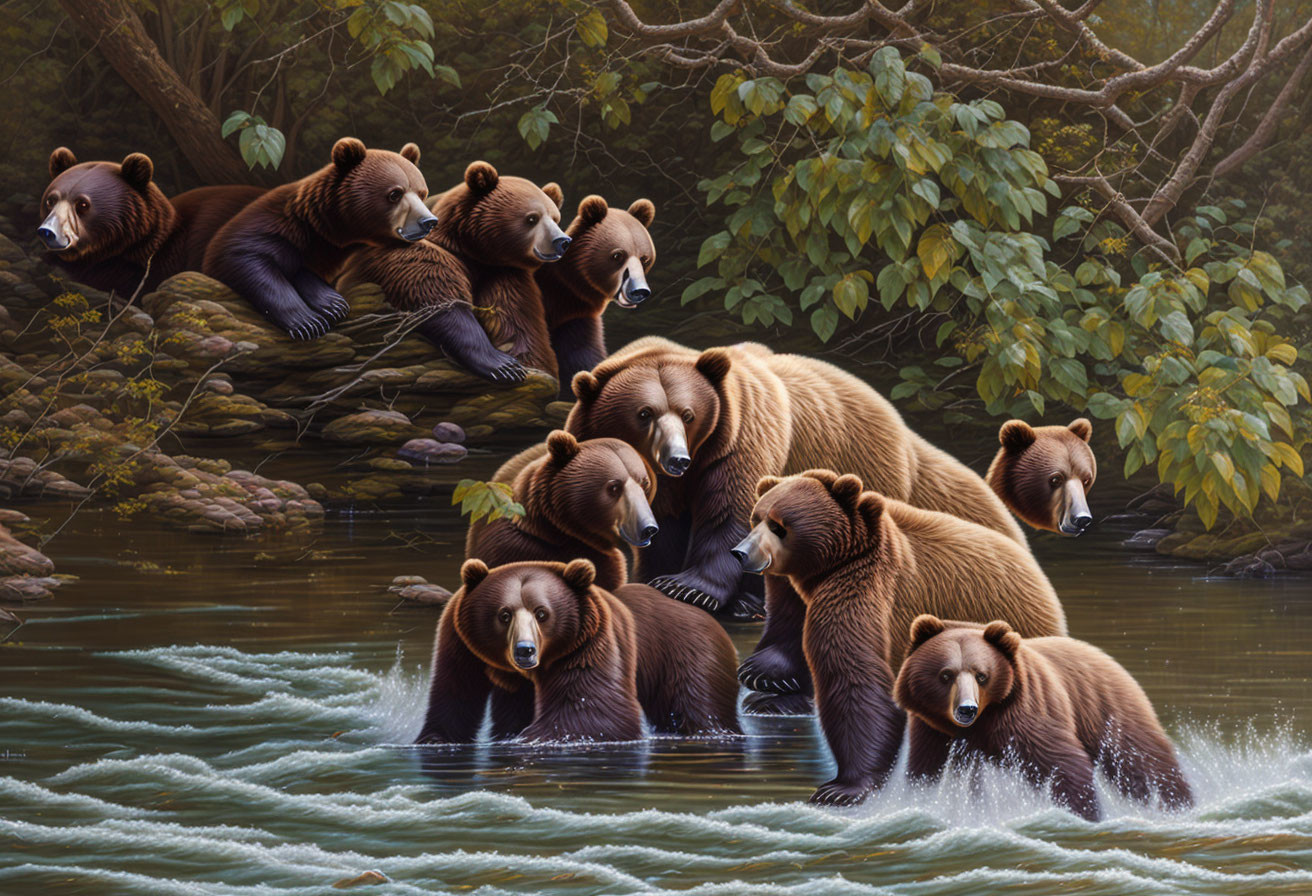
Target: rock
<point>418,590</point>
<point>449,432</point>
<point>1145,539</point>
<point>25,589</point>
<point>371,427</point>
<point>431,451</point>
<point>17,558</point>
<point>403,581</point>
<point>9,618</point>
<point>1249,567</point>
<point>13,518</point>
<point>368,878</point>
<point>1299,561</point>
<point>1273,557</point>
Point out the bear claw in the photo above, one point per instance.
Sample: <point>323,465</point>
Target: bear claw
<point>832,793</point>
<point>686,593</point>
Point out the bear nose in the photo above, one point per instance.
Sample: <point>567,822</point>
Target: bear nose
<point>426,224</point>
<point>965,713</point>
<point>1083,521</point>
<point>649,532</point>
<point>639,294</point>
<point>740,555</point>
<point>526,653</point>
<point>48,236</point>
<point>561,243</point>
<point>678,464</point>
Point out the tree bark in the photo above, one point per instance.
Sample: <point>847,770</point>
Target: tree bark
<point>123,41</point>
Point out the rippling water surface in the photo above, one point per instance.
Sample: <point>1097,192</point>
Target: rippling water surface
<point>210,717</point>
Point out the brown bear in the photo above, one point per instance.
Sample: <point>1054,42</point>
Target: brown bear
<point>610,256</point>
<point>565,660</point>
<point>1057,707</point>
<point>865,565</point>
<point>1044,474</point>
<point>714,423</point>
<point>473,277</point>
<point>111,227</point>
<point>582,499</point>
<point>282,251</point>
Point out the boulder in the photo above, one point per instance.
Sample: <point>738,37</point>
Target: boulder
<point>431,451</point>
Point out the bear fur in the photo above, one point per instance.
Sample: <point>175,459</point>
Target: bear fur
<point>865,565</point>
<point>565,660</point>
<point>609,258</point>
<point>473,277</point>
<point>581,499</point>
<point>716,422</point>
<point>1044,474</point>
<point>282,251</point>
<point>110,226</point>
<point>1057,706</point>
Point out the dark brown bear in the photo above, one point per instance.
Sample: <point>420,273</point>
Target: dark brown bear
<point>111,227</point>
<point>1057,707</point>
<point>609,260</point>
<point>565,660</point>
<point>1044,474</point>
<point>282,251</point>
<point>473,277</point>
<point>581,500</point>
<point>865,566</point>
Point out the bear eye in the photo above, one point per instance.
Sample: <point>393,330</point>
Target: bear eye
<point>50,201</point>
<point>945,676</point>
<point>776,528</point>
<point>1055,480</point>
<point>617,256</point>
<point>982,677</point>
<point>395,195</point>
<point>687,415</point>
<point>532,219</point>
<point>504,616</point>
<point>644,414</point>
<point>83,205</point>
<point>540,614</point>
<point>646,484</point>
<point>614,487</point>
<point>646,261</point>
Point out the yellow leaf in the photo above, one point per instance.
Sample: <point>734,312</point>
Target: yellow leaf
<point>1284,353</point>
<point>1271,481</point>
<point>935,250</point>
<point>1289,457</point>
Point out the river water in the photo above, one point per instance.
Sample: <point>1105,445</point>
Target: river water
<point>207,716</point>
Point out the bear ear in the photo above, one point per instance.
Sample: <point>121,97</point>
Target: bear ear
<point>924,627</point>
<point>871,507</point>
<point>714,364</point>
<point>562,447</point>
<point>1082,428</point>
<point>481,177</point>
<point>1016,435</point>
<point>61,160</point>
<point>1004,637</point>
<point>592,209</point>
<point>347,153</point>
<point>472,572</point>
<point>765,483</point>
<point>410,152</point>
<point>579,574</point>
<point>827,478</point>
<point>137,169</point>
<point>846,489</point>
<point>586,386</point>
<point>644,211</point>
<point>555,193</point>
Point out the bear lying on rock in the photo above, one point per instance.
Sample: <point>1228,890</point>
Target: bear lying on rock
<point>1058,707</point>
<point>564,660</point>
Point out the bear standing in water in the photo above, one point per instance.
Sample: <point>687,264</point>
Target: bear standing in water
<point>1058,706</point>
<point>282,251</point>
<point>112,228</point>
<point>1044,474</point>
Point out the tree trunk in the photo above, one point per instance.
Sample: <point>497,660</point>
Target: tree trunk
<point>122,39</point>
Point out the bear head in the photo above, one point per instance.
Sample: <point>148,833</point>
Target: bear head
<point>955,671</point>
<point>598,490</point>
<point>1044,474</point>
<point>803,526</point>
<point>666,406</point>
<point>96,210</point>
<point>372,197</point>
<point>502,221</point>
<point>612,252</point>
<point>522,617</point>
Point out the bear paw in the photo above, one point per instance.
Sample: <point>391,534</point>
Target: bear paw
<point>494,365</point>
<point>838,793</point>
<point>773,671</point>
<point>301,323</point>
<point>757,703</point>
<point>690,588</point>
<point>329,305</point>
<point>747,607</point>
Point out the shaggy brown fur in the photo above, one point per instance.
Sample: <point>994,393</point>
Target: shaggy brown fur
<point>865,565</point>
<point>1044,474</point>
<point>599,660</point>
<point>282,251</point>
<point>1058,706</point>
<point>581,499</point>
<point>608,260</point>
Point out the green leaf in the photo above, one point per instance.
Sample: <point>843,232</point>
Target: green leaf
<point>235,121</point>
<point>824,320</point>
<point>712,246</point>
<point>591,28</point>
<point>535,125</point>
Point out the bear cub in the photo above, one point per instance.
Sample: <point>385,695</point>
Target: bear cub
<point>1060,706</point>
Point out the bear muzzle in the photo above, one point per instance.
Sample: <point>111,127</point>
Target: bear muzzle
<point>965,700</point>
<point>523,638</point>
<point>54,230</point>
<point>751,552</point>
<point>633,290</point>
<point>558,242</point>
<point>670,445</point>
<point>637,524</point>
<point>1075,516</point>
<point>418,221</point>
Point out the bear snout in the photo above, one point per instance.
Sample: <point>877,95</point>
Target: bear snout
<point>633,289</point>
<point>525,654</point>
<point>965,714</point>
<point>53,234</point>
